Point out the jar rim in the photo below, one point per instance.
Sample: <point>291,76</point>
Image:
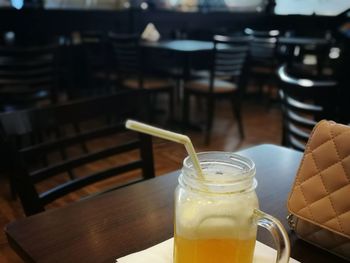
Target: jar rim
<point>187,162</point>
<point>242,180</point>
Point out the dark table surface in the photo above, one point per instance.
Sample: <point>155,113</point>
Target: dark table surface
<point>303,41</point>
<point>104,228</point>
<point>200,46</point>
<point>180,45</point>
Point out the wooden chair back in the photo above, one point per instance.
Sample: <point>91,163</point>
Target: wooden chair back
<point>38,185</point>
<point>304,103</point>
<point>27,75</point>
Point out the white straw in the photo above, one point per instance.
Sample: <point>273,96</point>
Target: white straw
<point>167,135</point>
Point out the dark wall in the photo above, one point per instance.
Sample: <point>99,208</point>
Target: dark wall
<point>198,23</point>
<point>54,22</point>
<point>231,22</point>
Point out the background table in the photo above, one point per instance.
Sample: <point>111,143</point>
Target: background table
<point>186,49</point>
<point>130,219</point>
<point>295,41</point>
<point>180,63</point>
<point>180,45</point>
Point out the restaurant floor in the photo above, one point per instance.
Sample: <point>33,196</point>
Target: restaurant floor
<point>262,124</point>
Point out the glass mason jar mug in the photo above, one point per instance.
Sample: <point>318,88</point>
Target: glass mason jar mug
<point>216,215</point>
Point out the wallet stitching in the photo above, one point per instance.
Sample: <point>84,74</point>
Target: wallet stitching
<point>336,149</point>
<point>325,168</point>
<point>307,204</point>
<point>338,216</point>
<point>297,182</point>
<point>342,159</point>
<point>331,218</point>
<point>319,173</point>
<point>328,194</point>
<point>329,140</point>
<point>297,179</point>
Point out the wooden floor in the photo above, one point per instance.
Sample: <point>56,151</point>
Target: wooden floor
<point>261,124</point>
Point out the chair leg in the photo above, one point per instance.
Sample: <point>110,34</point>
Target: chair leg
<point>178,84</point>
<point>236,107</point>
<point>284,141</point>
<point>209,120</point>
<point>36,139</point>
<point>145,111</point>
<point>78,131</point>
<point>12,183</point>
<point>199,105</point>
<point>171,105</point>
<point>63,152</point>
<point>153,110</point>
<point>185,110</point>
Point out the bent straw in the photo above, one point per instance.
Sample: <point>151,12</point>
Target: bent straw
<point>168,135</point>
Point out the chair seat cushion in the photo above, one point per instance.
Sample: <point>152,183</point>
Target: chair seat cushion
<point>148,83</point>
<point>206,74</point>
<point>220,86</point>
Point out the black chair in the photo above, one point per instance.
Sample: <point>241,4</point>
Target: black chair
<point>304,103</point>
<point>314,56</point>
<point>262,56</point>
<point>113,151</point>
<point>132,74</point>
<point>263,60</point>
<point>262,33</point>
<point>96,74</point>
<point>241,41</point>
<point>227,80</point>
<point>28,76</point>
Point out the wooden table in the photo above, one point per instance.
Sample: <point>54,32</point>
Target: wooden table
<point>130,219</point>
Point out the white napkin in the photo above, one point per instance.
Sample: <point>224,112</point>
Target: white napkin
<point>150,33</point>
<point>163,253</point>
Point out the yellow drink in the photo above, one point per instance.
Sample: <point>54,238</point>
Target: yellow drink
<point>214,215</point>
<point>225,250</point>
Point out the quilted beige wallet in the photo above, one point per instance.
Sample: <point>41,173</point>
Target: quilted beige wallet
<point>319,202</point>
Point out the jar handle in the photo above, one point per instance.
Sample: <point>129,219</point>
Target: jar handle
<point>279,234</point>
